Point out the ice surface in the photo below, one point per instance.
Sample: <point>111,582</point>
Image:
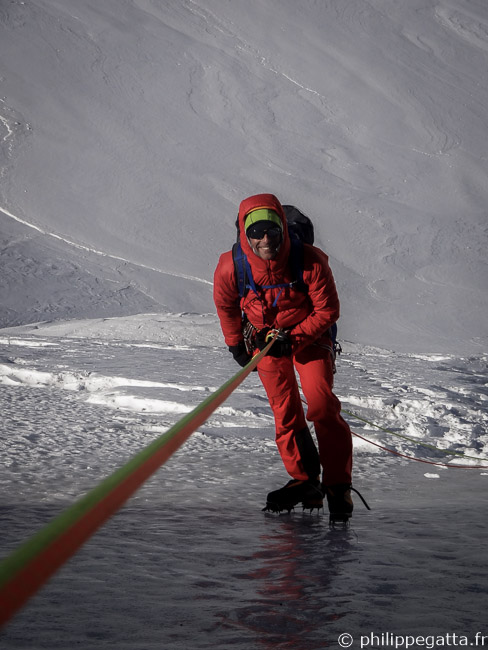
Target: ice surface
<point>191,561</point>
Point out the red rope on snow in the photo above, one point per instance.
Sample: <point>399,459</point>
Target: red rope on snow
<point>419,460</point>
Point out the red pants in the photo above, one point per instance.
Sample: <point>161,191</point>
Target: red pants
<point>314,367</point>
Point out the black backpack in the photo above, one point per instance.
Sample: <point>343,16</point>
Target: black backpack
<point>300,229</point>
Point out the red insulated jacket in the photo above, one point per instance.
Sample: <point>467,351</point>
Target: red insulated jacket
<point>306,315</point>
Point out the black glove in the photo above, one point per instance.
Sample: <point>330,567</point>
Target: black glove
<point>240,354</point>
<point>280,348</point>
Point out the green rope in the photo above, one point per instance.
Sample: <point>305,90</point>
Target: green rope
<point>21,556</point>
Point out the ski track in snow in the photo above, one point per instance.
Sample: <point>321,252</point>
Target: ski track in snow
<point>95,251</point>
<point>191,561</point>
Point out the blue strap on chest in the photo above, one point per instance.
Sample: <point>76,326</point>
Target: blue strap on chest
<point>245,280</point>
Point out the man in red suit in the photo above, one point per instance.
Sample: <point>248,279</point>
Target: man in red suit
<point>302,319</point>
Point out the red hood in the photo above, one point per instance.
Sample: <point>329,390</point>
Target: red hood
<point>254,203</point>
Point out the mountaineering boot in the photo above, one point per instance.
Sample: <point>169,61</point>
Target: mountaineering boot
<point>339,501</point>
<point>314,498</point>
<point>295,491</point>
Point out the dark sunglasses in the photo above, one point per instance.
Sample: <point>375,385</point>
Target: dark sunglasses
<point>258,231</point>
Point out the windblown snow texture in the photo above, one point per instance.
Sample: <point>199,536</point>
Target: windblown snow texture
<point>130,131</point>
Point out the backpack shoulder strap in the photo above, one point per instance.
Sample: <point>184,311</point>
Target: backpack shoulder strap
<point>296,262</point>
<point>243,271</point>
<point>240,260</point>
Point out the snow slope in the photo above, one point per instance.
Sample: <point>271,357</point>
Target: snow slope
<point>134,128</point>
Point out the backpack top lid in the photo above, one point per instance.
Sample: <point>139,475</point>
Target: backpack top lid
<point>299,225</point>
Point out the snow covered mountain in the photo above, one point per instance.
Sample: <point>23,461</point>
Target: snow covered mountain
<point>131,129</point>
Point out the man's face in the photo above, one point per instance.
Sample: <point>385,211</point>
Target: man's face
<point>265,239</point>
<point>268,246</point>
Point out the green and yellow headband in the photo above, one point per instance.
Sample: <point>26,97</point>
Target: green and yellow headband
<point>262,214</point>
